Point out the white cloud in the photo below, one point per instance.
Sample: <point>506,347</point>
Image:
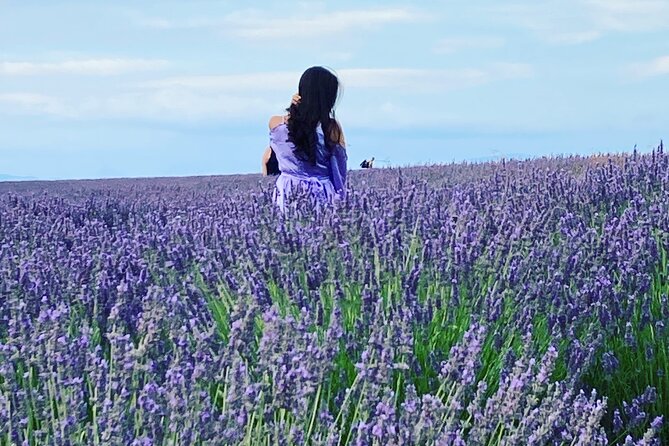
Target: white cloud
<point>456,44</point>
<point>99,67</point>
<point>629,15</point>
<point>580,21</point>
<point>262,28</point>
<point>256,25</point>
<point>229,82</point>
<point>412,79</point>
<point>574,37</point>
<point>242,96</point>
<point>656,67</point>
<point>180,104</point>
<point>431,80</point>
<point>32,103</point>
<point>163,105</point>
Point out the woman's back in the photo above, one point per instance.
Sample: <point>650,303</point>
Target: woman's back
<point>290,164</point>
<point>325,177</point>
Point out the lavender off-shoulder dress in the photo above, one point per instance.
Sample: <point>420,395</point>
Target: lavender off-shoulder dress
<point>325,180</point>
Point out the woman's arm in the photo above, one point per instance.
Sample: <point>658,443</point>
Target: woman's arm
<point>339,160</point>
<point>265,159</point>
<point>339,169</point>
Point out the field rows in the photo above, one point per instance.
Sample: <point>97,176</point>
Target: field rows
<point>510,303</point>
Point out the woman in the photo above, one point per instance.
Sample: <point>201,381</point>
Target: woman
<point>309,142</point>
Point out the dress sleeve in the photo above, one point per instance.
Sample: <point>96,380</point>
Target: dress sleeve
<point>338,170</point>
<point>271,138</point>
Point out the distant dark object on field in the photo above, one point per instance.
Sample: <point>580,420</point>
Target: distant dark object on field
<point>367,164</point>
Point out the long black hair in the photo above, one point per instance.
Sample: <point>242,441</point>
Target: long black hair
<point>318,89</point>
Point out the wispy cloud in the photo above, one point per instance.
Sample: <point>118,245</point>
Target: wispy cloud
<point>456,44</point>
<point>257,25</point>
<point>183,104</point>
<point>415,79</point>
<point>230,82</point>
<point>160,105</point>
<point>656,67</point>
<point>421,80</point>
<point>243,96</point>
<point>581,21</point>
<point>93,67</point>
<point>33,103</point>
<point>629,15</point>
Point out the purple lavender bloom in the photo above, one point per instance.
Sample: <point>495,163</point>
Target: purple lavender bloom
<point>610,363</point>
<point>190,311</point>
<point>617,421</point>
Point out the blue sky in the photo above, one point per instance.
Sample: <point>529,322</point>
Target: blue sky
<point>93,89</point>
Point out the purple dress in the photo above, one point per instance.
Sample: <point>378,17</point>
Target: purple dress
<point>325,180</point>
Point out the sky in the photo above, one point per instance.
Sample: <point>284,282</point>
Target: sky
<point>97,89</point>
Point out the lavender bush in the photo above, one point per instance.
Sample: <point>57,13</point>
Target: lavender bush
<point>509,303</point>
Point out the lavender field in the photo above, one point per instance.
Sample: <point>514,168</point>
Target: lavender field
<point>509,303</point>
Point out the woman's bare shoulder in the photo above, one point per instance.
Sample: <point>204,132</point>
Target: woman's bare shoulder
<point>276,121</point>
